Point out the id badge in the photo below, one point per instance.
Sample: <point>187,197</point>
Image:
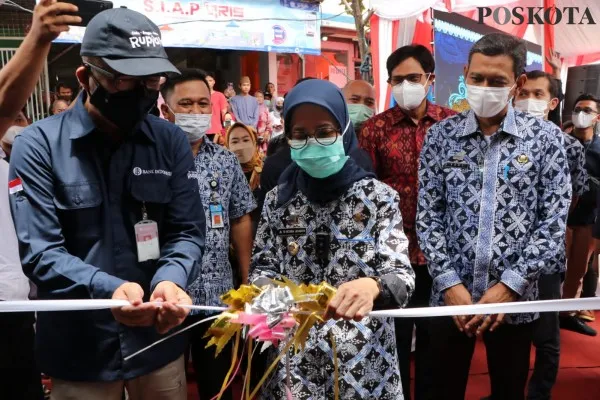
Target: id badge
<point>146,237</point>
<point>216,216</point>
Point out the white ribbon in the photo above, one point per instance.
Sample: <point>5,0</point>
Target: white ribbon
<point>591,303</point>
<point>59,305</point>
<point>79,305</point>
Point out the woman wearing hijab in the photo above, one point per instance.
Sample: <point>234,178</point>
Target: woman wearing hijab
<point>242,140</point>
<point>330,220</point>
<point>277,112</point>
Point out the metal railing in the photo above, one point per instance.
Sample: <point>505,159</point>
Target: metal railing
<point>37,105</point>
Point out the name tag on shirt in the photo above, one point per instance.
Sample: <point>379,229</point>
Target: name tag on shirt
<point>291,232</point>
<point>216,216</point>
<point>146,237</point>
<point>456,164</point>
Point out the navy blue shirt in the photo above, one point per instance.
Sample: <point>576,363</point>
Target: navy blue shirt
<point>75,218</point>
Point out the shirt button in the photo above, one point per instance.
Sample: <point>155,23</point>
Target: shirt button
<point>118,250</point>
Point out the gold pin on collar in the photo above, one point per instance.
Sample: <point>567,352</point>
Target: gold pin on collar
<point>522,159</point>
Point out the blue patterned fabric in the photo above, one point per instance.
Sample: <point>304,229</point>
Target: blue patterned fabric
<point>579,184</point>
<point>576,158</point>
<point>365,239</point>
<point>494,212</point>
<point>216,163</point>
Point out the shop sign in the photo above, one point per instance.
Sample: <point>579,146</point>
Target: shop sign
<point>338,75</point>
<point>264,25</point>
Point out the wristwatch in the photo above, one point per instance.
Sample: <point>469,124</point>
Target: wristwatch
<point>379,285</point>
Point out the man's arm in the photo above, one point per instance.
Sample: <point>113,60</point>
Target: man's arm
<point>256,114</point>
<point>548,231</point>
<point>430,214</point>
<point>234,109</point>
<point>184,225</point>
<point>44,257</point>
<point>430,225</point>
<point>21,73</point>
<point>580,180</point>
<point>555,62</point>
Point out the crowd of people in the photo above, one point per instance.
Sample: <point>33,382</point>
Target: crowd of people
<point>413,206</point>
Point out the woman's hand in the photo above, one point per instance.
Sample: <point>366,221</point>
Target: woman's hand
<point>353,300</point>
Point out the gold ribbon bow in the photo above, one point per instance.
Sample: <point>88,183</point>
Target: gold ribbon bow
<point>222,330</point>
<point>311,303</point>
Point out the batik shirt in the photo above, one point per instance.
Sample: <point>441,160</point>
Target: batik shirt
<point>576,158</point>
<point>494,212</point>
<point>362,236</point>
<point>579,185</point>
<point>221,182</point>
<point>394,143</point>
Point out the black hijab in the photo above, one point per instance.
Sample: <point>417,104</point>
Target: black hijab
<point>326,95</point>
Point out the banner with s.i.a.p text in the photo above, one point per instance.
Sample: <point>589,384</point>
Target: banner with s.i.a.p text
<point>266,25</point>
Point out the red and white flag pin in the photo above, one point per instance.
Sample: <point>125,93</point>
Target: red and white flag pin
<point>15,186</point>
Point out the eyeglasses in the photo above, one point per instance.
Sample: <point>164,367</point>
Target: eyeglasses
<point>412,78</point>
<point>325,136</point>
<point>126,82</point>
<point>586,110</point>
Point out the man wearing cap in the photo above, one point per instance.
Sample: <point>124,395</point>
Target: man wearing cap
<point>104,208</point>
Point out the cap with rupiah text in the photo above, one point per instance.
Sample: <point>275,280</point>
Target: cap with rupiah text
<point>127,42</point>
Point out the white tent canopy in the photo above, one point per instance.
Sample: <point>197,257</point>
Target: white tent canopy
<point>570,40</point>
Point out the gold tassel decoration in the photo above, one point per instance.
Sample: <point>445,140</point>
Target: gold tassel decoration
<point>336,372</point>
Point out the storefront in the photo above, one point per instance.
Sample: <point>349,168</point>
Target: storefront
<point>338,62</point>
<point>232,38</point>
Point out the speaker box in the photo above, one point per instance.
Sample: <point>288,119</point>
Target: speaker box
<point>580,80</point>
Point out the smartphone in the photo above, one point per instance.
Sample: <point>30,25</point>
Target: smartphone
<point>88,9</point>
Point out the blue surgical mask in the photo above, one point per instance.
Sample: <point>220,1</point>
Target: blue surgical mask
<point>318,160</point>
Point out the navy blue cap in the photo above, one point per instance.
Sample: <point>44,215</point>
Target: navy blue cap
<point>127,42</point>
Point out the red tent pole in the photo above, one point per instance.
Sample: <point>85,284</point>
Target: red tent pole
<point>548,37</point>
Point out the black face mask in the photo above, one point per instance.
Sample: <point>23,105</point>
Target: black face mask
<point>125,109</point>
<point>279,108</point>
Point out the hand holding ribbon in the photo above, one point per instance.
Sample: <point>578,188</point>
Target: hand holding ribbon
<point>136,314</point>
<point>170,314</point>
<point>353,300</point>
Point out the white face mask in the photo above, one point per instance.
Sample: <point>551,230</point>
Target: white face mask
<point>277,132</point>
<point>583,120</point>
<point>537,108</point>
<point>409,95</point>
<point>11,134</point>
<point>487,102</point>
<point>194,125</point>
